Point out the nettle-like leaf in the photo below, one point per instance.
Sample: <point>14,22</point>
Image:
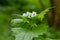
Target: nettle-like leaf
<point>24,22</point>
<point>42,14</point>
<point>20,23</point>
<point>44,37</point>
<point>15,22</point>
<point>26,34</point>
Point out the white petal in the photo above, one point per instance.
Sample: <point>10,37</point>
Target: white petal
<point>25,15</point>
<point>28,13</point>
<point>34,14</point>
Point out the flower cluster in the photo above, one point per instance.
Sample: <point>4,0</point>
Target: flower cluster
<point>29,15</point>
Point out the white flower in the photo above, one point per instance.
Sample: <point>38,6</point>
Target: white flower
<point>24,14</point>
<point>29,15</point>
<point>34,14</point>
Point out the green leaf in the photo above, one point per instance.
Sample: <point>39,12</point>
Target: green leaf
<point>43,39</point>
<point>42,14</point>
<point>26,34</point>
<point>17,22</point>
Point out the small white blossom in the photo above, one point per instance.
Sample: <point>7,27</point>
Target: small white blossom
<point>29,15</point>
<point>24,14</point>
<point>34,14</point>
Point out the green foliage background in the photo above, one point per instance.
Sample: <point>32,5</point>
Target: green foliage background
<point>9,7</point>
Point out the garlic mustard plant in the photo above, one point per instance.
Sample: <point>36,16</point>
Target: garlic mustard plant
<point>29,25</point>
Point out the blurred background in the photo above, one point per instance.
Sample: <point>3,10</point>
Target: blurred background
<point>9,7</point>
